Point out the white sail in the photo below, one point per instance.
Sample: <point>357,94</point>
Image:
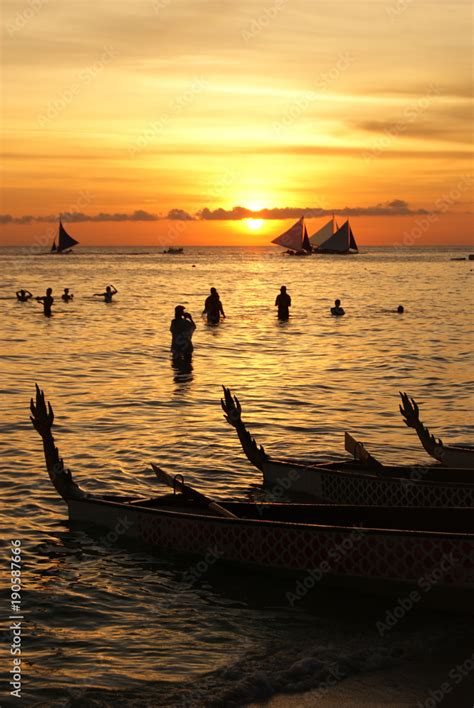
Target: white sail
<point>293,238</point>
<point>324,233</point>
<point>342,241</point>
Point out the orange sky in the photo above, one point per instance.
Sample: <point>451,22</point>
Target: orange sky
<point>154,105</point>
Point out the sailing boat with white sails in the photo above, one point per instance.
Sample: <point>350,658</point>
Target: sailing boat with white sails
<point>340,242</point>
<point>295,239</point>
<point>65,241</point>
<point>325,232</point>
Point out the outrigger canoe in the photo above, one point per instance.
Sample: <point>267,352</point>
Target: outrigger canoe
<point>388,551</point>
<point>448,455</point>
<point>367,482</point>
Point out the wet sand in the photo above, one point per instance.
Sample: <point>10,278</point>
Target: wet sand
<point>418,686</point>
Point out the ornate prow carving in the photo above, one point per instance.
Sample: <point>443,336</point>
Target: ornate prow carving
<point>411,417</point>
<point>232,413</point>
<point>43,418</point>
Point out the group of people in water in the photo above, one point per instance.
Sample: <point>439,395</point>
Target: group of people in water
<point>48,299</point>
<point>183,326</point>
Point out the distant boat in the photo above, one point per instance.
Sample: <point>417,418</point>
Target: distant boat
<point>65,242</point>
<point>295,239</point>
<point>341,242</point>
<point>173,251</point>
<point>324,233</point>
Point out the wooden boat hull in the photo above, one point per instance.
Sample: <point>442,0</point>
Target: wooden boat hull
<point>437,565</point>
<point>351,486</point>
<point>452,456</point>
<point>352,482</point>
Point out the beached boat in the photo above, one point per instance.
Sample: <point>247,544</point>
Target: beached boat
<point>65,242</point>
<point>295,240</point>
<point>379,550</point>
<point>365,482</point>
<point>448,455</point>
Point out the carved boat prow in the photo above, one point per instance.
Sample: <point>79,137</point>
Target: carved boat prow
<point>448,455</point>
<point>42,417</point>
<point>233,414</point>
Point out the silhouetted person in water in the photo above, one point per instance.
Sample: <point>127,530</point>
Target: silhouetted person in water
<point>337,310</point>
<point>110,291</point>
<point>400,309</point>
<point>182,330</point>
<point>283,302</point>
<point>23,295</point>
<point>67,296</point>
<point>47,301</point>
<point>213,308</point>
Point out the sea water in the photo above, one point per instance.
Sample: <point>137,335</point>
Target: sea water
<point>108,622</point>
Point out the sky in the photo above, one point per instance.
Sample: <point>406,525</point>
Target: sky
<point>148,122</point>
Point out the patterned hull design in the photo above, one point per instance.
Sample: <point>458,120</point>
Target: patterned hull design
<point>378,555</point>
<point>336,487</point>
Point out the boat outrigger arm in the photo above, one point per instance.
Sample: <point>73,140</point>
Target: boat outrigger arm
<point>448,455</point>
<point>233,414</point>
<point>43,418</point>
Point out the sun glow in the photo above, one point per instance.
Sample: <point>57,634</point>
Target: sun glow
<point>253,224</point>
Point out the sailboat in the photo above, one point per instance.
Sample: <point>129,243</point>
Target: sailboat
<point>325,232</point>
<point>65,242</point>
<point>340,242</point>
<point>295,239</point>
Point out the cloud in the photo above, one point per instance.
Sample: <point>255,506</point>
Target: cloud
<point>179,215</point>
<point>453,126</point>
<point>395,207</point>
<point>78,217</point>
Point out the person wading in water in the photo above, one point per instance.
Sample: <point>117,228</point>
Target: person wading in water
<point>283,302</point>
<point>47,301</point>
<point>182,330</point>
<point>213,308</point>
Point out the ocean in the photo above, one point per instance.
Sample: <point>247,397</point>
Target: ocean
<point>109,623</point>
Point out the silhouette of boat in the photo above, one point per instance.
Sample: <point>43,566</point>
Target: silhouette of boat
<point>378,550</point>
<point>65,242</point>
<point>365,482</point>
<point>172,251</point>
<point>295,240</point>
<point>448,455</point>
<point>340,242</point>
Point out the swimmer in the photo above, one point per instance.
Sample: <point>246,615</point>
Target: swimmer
<point>47,301</point>
<point>110,291</point>
<point>337,310</point>
<point>67,296</point>
<point>23,295</point>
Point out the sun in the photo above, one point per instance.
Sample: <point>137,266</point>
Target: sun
<point>253,224</point>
